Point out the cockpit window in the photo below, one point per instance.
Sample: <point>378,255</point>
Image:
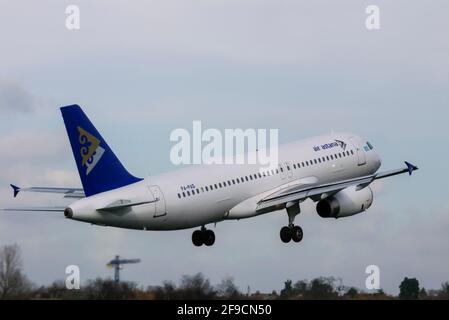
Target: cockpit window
<point>370,145</point>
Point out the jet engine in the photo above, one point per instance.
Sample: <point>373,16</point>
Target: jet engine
<point>345,203</point>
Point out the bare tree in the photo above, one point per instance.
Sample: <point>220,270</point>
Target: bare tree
<point>13,283</point>
<point>196,286</point>
<point>227,289</point>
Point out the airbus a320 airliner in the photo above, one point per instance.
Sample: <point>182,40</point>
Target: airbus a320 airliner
<point>333,170</point>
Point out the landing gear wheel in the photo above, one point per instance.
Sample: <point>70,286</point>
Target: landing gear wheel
<point>297,233</point>
<point>203,236</point>
<point>286,234</point>
<point>197,238</point>
<point>208,237</point>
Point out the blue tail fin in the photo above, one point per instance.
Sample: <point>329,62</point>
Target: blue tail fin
<point>99,168</point>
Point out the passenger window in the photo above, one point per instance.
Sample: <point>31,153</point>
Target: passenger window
<point>246,178</point>
<point>188,193</point>
<point>215,186</point>
<point>294,166</point>
<point>193,192</point>
<point>202,189</point>
<point>260,176</point>
<point>282,170</point>
<point>352,152</point>
<point>250,177</point>
<point>183,194</point>
<point>255,176</point>
<point>277,171</point>
<point>369,145</point>
<point>197,190</point>
<point>314,160</point>
<point>207,189</point>
<point>179,196</point>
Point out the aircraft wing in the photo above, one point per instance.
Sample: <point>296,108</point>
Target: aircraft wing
<point>68,192</point>
<point>40,209</point>
<point>321,191</point>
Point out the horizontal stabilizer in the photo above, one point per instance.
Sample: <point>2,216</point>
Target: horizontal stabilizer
<point>15,189</point>
<point>36,209</point>
<point>68,192</point>
<point>121,204</point>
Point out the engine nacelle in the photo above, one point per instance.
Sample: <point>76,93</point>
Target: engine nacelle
<point>345,203</point>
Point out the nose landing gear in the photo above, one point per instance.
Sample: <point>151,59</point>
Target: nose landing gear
<point>292,232</point>
<point>203,236</point>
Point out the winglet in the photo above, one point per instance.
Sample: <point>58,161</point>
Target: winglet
<point>410,167</point>
<point>16,190</point>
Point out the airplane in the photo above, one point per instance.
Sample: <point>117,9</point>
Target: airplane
<point>333,170</point>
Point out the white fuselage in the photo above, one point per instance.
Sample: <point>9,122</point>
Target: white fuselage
<point>185,199</point>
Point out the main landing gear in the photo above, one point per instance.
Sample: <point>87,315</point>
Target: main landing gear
<point>291,232</point>
<point>203,236</point>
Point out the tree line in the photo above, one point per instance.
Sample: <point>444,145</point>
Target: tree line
<point>14,284</point>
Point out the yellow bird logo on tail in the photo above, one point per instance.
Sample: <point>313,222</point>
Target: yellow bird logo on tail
<point>91,151</point>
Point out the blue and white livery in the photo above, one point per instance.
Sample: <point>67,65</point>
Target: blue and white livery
<point>334,170</point>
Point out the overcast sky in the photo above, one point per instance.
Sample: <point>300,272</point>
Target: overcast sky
<point>304,67</point>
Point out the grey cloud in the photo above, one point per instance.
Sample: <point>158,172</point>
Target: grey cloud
<point>14,97</point>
